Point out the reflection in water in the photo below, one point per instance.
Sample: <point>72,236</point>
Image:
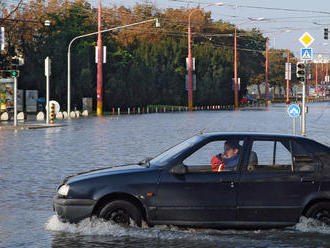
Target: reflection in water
<point>33,162</point>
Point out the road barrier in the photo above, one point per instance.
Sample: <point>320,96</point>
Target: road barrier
<point>52,112</point>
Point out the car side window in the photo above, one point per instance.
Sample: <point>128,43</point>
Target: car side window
<point>302,158</point>
<point>272,156</point>
<point>201,160</point>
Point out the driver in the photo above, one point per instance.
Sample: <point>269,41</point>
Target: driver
<point>229,159</point>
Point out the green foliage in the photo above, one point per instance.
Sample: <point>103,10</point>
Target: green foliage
<point>143,72</point>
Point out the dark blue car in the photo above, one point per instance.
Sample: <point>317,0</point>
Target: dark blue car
<point>278,179</point>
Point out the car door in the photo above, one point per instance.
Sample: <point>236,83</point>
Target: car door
<point>272,190</point>
<point>200,195</point>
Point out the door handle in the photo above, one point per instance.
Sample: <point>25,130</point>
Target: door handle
<point>232,183</point>
<point>226,181</point>
<point>307,179</point>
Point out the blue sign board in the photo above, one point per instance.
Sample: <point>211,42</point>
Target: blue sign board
<point>294,110</point>
<point>306,53</point>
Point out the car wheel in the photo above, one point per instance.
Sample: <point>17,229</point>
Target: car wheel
<point>320,211</point>
<point>121,212</point>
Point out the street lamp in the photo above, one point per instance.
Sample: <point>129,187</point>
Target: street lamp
<point>235,56</point>
<point>90,34</point>
<point>266,68</point>
<point>190,87</point>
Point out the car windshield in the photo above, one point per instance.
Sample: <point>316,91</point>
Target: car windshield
<point>175,151</point>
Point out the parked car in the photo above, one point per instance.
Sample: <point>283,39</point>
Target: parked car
<point>278,179</point>
<point>248,100</point>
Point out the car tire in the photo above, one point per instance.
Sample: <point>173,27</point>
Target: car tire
<point>320,211</point>
<point>121,212</point>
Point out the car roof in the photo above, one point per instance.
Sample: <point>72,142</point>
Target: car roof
<point>253,134</point>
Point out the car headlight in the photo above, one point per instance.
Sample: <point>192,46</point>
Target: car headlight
<point>63,190</point>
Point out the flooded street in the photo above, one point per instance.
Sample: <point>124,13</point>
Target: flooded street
<point>33,163</point>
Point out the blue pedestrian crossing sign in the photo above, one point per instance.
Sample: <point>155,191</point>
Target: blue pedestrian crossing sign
<point>294,110</point>
<point>306,53</point>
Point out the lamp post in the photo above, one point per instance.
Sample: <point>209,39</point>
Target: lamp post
<point>99,92</point>
<point>266,73</point>
<point>316,80</point>
<point>190,87</point>
<point>266,70</point>
<point>90,34</point>
<point>327,77</point>
<point>235,57</point>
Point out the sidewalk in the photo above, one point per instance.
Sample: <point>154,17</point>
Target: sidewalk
<point>28,126</point>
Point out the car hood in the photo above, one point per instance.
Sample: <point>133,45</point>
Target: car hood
<point>111,170</point>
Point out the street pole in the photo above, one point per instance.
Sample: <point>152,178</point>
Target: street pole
<point>316,82</point>
<point>327,78</point>
<point>235,69</point>
<point>15,101</point>
<point>287,77</point>
<point>190,93</point>
<point>190,84</point>
<point>69,80</point>
<point>266,73</point>
<point>90,34</point>
<point>307,83</point>
<point>47,99</point>
<point>99,93</point>
<point>303,123</point>
<point>47,74</point>
<point>235,59</point>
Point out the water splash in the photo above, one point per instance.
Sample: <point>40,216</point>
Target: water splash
<point>95,226</point>
<point>311,225</point>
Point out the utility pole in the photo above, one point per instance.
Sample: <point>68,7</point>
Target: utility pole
<point>288,72</point>
<point>316,82</point>
<point>326,77</point>
<point>99,93</point>
<point>235,70</point>
<point>190,87</point>
<point>266,73</point>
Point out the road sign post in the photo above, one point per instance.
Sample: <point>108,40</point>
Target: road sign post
<point>306,54</point>
<point>294,112</point>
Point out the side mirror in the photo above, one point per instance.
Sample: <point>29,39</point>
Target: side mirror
<point>179,169</point>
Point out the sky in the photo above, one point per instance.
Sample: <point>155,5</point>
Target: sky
<point>283,27</point>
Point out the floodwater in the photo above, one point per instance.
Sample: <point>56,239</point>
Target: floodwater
<point>33,162</point>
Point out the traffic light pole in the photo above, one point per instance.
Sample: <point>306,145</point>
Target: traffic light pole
<point>303,123</point>
<point>15,101</point>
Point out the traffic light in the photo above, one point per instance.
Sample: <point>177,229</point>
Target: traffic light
<point>300,71</point>
<point>9,73</point>
<point>326,32</point>
<point>14,73</point>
